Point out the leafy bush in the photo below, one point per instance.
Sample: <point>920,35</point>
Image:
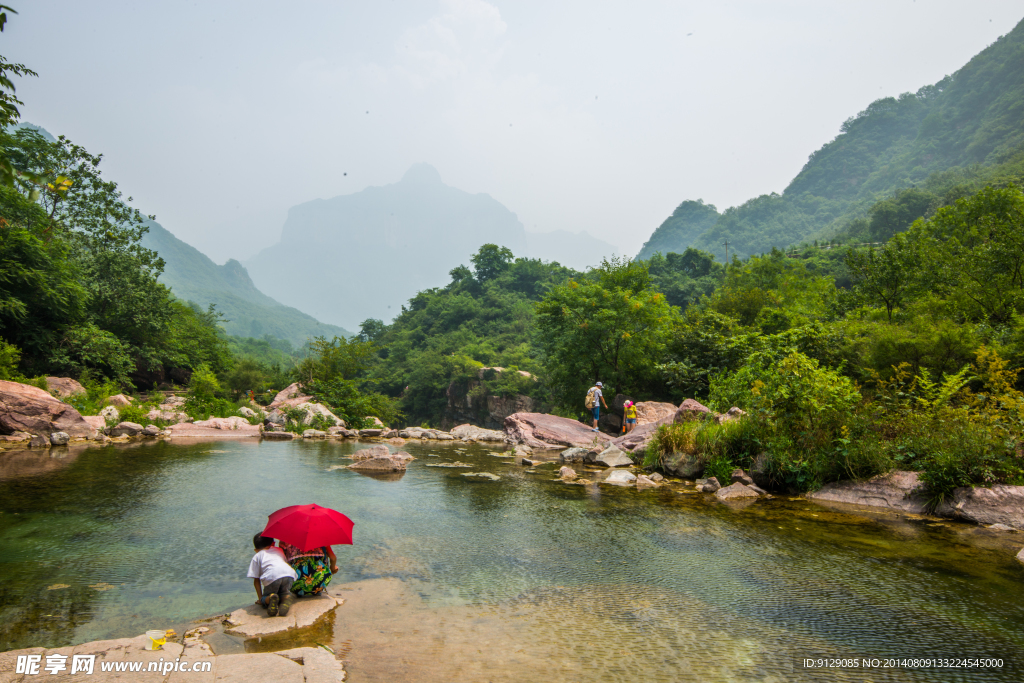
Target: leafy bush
<point>793,399</point>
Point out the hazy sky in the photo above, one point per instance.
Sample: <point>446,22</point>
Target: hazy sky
<point>584,115</point>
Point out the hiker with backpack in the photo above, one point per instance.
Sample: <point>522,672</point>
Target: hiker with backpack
<point>593,396</point>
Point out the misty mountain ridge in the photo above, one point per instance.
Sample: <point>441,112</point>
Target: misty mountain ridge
<point>363,255</point>
<point>973,118</point>
<point>192,276</point>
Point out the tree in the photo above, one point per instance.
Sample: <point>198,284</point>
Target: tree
<point>884,277</point>
<point>609,326</point>
<point>490,261</point>
<point>976,248</point>
<point>9,113</point>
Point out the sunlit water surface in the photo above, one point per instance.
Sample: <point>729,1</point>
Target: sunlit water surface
<point>524,578</point>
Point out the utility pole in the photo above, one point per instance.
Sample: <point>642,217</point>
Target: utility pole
<point>726,243</point>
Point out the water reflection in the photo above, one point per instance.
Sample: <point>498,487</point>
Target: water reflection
<point>523,578</point>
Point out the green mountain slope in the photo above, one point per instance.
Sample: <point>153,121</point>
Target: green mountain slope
<point>974,117</point>
<point>688,222</point>
<point>192,276</point>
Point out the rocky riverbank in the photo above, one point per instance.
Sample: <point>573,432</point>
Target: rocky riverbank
<point>192,656</point>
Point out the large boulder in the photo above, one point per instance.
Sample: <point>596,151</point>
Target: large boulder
<point>1000,504</point>
<point>735,491</point>
<point>539,430</point>
<point>653,411</point>
<point>291,395</point>
<point>897,490</point>
<point>165,415</point>
<point>312,410</point>
<point>233,423</point>
<point>574,454</point>
<point>97,422</point>
<point>64,386</point>
<point>690,410</point>
<point>468,432</point>
<point>24,408</point>
<point>682,465</point>
<point>612,457</point>
<point>391,462</point>
<point>126,429</point>
<point>119,400</point>
<point>378,451</point>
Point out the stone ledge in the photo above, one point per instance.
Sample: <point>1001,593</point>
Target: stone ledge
<point>253,620</point>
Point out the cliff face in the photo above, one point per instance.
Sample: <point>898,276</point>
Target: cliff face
<point>471,402</point>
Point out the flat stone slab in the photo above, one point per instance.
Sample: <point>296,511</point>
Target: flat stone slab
<point>297,665</point>
<point>253,620</point>
<point>191,430</point>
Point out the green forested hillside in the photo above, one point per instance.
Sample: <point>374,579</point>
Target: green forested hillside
<point>972,119</point>
<point>192,276</point>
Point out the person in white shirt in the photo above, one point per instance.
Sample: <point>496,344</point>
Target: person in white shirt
<point>272,576</point>
<point>594,394</point>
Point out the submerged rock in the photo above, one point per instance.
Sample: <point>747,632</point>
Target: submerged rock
<point>621,478</point>
<point>481,475</point>
<point>645,482</point>
<point>566,472</point>
<point>1020,556</point>
<point>278,436</point>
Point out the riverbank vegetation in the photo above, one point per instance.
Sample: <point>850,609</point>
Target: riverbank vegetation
<point>849,361</point>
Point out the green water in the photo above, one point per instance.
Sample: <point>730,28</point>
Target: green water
<point>607,583</point>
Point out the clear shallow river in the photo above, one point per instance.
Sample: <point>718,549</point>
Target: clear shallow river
<point>520,579</point>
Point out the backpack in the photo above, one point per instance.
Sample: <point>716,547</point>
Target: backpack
<point>591,400</point>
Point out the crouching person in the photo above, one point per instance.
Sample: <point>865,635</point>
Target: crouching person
<point>272,576</point>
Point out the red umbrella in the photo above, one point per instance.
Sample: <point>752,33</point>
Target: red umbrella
<point>309,526</point>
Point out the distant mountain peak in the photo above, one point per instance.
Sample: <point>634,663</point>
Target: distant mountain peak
<point>422,174</point>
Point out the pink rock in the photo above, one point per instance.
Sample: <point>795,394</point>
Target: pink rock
<point>119,400</point>
<point>653,411</point>
<point>232,423</point>
<point>97,422</point>
<point>896,490</point>
<point>25,408</point>
<point>64,386</point>
<point>690,410</point>
<point>538,430</point>
<point>291,395</point>
<point>567,472</point>
<point>735,491</point>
